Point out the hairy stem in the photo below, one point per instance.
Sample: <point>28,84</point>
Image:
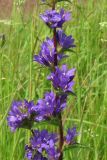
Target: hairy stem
<point>53,5</point>
<point>55,45</point>
<point>60,116</point>
<point>54,38</point>
<point>61,141</point>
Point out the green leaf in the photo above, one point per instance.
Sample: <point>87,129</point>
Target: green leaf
<point>71,93</point>
<point>70,50</point>
<point>64,0</point>
<point>77,145</point>
<point>53,121</point>
<point>2,39</point>
<point>27,124</point>
<point>62,50</point>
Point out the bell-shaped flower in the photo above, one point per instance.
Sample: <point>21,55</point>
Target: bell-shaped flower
<point>63,78</point>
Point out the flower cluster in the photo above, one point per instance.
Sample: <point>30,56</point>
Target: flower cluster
<point>50,106</point>
<point>65,41</point>
<point>42,142</point>
<point>54,19</point>
<point>47,53</point>
<point>44,145</point>
<point>62,78</point>
<point>20,115</point>
<point>23,113</point>
<point>71,134</point>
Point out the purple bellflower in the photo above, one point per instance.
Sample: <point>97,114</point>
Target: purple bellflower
<point>20,115</point>
<point>44,145</point>
<point>41,142</point>
<point>54,19</point>
<point>71,134</point>
<point>47,52</point>
<point>64,41</point>
<point>62,78</point>
<point>50,106</point>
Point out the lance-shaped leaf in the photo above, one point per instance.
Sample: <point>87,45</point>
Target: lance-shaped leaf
<point>64,0</point>
<point>53,121</point>
<point>76,145</point>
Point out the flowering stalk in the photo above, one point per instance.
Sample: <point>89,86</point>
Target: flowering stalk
<point>60,116</point>
<point>23,114</point>
<point>54,38</point>
<point>55,45</point>
<point>53,5</point>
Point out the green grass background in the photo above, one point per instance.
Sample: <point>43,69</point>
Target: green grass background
<point>21,78</point>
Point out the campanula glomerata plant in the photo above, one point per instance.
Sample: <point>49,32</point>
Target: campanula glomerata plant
<point>23,114</point>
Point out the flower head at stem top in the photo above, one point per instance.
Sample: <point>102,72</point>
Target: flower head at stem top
<point>55,19</point>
